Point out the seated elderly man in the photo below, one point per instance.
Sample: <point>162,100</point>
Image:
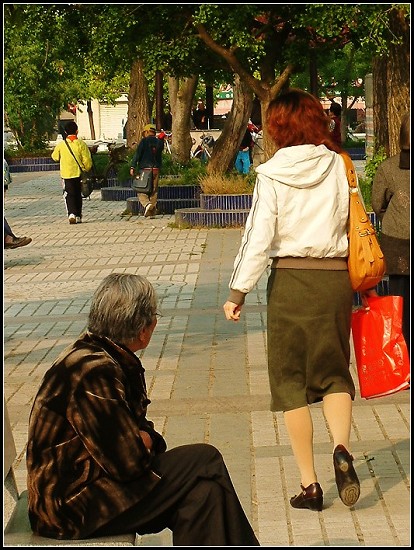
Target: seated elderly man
<point>96,465</point>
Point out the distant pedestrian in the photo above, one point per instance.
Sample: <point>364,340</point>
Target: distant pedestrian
<point>243,158</point>
<point>96,465</point>
<point>200,118</point>
<point>391,203</point>
<point>335,111</point>
<point>10,239</point>
<point>148,155</point>
<point>69,169</point>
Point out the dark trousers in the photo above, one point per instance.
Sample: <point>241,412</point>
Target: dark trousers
<point>73,196</point>
<point>195,499</point>
<point>399,285</point>
<point>7,229</point>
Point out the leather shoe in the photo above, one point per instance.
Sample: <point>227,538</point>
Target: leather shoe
<point>16,242</point>
<point>345,476</point>
<point>311,497</point>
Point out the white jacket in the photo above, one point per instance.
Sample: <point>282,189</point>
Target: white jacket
<point>299,208</point>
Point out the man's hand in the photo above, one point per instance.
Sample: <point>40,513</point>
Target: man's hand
<point>146,438</point>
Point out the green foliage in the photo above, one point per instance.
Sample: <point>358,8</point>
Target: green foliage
<point>36,72</point>
<point>60,53</point>
<point>122,172</point>
<point>100,162</point>
<point>354,143</point>
<point>371,166</point>
<point>188,173</point>
<point>12,153</point>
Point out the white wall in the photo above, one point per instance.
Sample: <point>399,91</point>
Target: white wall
<point>108,119</point>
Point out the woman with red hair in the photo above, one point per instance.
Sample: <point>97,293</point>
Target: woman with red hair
<point>298,225</point>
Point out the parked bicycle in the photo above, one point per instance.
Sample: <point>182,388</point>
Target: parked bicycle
<point>204,148</point>
<point>117,158</point>
<point>167,137</point>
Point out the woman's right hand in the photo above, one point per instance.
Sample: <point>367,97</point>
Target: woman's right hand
<point>367,294</point>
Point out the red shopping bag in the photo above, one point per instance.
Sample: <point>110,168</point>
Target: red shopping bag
<point>381,353</point>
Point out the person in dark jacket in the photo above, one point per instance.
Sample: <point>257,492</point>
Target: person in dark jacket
<point>335,111</point>
<point>391,203</point>
<point>96,465</point>
<point>148,155</point>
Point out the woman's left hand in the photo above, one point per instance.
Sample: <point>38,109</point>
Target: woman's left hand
<point>232,311</point>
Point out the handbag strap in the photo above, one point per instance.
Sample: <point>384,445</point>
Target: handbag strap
<point>73,155</point>
<point>350,170</point>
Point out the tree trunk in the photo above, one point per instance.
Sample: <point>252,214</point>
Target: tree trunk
<point>138,104</point>
<point>90,117</point>
<point>313,73</point>
<point>391,87</point>
<point>399,79</point>
<point>379,103</point>
<point>226,147</point>
<point>210,106</point>
<point>159,100</point>
<point>181,94</point>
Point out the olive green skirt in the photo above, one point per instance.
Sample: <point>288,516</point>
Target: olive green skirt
<point>308,336</point>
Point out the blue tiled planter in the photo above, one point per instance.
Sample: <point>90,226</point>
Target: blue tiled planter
<point>117,193</point>
<point>164,206</point>
<point>35,164</point>
<point>170,192</point>
<point>196,217</point>
<point>226,202</point>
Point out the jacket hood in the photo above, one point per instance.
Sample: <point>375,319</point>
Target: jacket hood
<point>299,166</point>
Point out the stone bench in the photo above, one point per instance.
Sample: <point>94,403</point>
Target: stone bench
<point>17,530</point>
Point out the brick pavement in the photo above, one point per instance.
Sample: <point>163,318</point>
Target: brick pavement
<point>206,377</point>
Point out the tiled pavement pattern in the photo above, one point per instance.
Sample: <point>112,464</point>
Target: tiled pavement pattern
<point>206,376</point>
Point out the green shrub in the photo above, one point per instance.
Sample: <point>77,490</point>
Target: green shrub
<point>11,153</point>
<point>100,162</point>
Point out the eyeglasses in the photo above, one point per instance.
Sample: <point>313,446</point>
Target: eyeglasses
<point>157,314</point>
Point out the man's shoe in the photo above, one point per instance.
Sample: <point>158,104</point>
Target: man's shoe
<point>78,219</point>
<point>345,476</point>
<point>17,242</point>
<point>311,498</point>
<point>148,210</point>
<point>72,219</point>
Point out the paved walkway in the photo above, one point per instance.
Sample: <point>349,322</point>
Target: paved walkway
<point>207,377</point>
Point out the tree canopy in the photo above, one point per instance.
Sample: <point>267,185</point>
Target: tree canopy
<point>61,53</point>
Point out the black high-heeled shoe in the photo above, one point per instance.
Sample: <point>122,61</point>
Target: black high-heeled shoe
<point>345,476</point>
<point>311,497</point>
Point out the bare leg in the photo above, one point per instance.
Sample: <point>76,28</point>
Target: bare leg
<point>337,408</point>
<point>300,429</point>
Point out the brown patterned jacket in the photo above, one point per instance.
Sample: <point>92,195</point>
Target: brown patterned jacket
<point>86,461</point>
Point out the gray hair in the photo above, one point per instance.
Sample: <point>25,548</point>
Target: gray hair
<point>122,306</point>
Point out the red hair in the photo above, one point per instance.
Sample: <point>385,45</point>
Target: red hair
<point>296,117</point>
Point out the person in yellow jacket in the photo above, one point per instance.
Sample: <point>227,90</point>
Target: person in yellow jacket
<point>70,170</point>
